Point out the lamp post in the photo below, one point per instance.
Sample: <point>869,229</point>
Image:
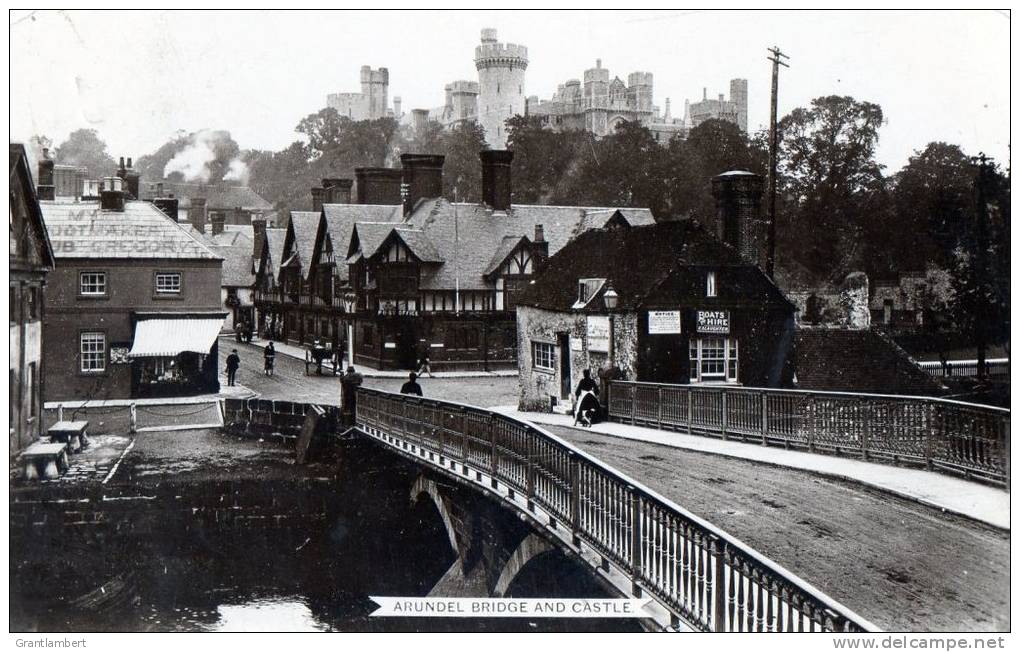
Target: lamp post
<point>611,298</point>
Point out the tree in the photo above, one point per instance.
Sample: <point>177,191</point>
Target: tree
<point>462,169</point>
<point>84,148</point>
<point>543,159</point>
<point>830,182</point>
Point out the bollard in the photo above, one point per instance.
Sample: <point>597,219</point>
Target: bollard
<point>134,419</point>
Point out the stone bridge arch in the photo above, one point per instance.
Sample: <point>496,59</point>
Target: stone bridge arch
<point>425,486</point>
<point>529,548</point>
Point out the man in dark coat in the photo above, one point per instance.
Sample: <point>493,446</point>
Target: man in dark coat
<point>349,384</point>
<point>233,362</point>
<point>411,386</point>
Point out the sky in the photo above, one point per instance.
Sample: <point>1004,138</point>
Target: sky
<point>139,77</point>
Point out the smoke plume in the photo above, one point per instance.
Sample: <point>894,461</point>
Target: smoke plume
<point>208,156</point>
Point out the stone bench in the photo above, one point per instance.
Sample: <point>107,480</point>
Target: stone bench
<point>44,460</point>
<point>72,433</point>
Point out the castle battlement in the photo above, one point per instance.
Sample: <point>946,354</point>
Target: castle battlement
<point>501,54</point>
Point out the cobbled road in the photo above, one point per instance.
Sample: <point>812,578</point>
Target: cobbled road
<point>902,565</point>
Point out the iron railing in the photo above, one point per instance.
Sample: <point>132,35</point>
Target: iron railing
<point>702,575</point>
<point>965,368</point>
<point>943,435</point>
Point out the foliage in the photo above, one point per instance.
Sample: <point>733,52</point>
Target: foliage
<point>85,148</point>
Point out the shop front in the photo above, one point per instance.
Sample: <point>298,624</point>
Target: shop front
<point>175,355</point>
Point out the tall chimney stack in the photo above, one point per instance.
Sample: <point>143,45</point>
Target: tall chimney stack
<point>169,205</point>
<point>217,222</point>
<point>197,214</point>
<point>317,195</point>
<point>496,186</point>
<point>338,191</point>
<point>378,186</point>
<point>111,197</point>
<point>258,230</point>
<point>422,178</point>
<point>45,189</point>
<point>738,197</point>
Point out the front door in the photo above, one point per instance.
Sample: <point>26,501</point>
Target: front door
<point>563,344</point>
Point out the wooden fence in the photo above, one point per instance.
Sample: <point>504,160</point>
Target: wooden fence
<point>949,436</point>
<point>702,575</point>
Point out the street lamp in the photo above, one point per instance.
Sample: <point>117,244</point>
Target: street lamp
<point>611,298</point>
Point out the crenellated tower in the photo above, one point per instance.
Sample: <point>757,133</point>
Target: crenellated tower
<point>501,68</point>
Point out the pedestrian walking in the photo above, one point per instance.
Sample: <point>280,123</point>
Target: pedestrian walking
<point>425,366</point>
<point>411,386</point>
<point>270,357</point>
<point>233,362</point>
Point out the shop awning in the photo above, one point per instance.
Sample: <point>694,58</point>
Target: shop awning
<point>169,337</point>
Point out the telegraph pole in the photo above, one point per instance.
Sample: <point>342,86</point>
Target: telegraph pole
<point>777,60</point>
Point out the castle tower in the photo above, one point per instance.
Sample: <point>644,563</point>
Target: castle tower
<point>501,69</point>
<point>738,95</point>
<point>375,86</point>
<point>639,86</point>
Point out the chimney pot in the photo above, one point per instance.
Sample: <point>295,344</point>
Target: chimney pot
<point>197,214</point>
<point>422,174</point>
<point>539,233</point>
<point>738,207</point>
<point>496,180</point>
<point>217,221</point>
<point>317,196</point>
<point>378,185</point>
<point>258,229</point>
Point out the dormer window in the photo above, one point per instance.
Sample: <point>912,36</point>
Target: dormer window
<point>710,287</point>
<point>586,289</point>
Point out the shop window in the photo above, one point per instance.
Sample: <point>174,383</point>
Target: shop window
<point>168,283</point>
<point>93,352</point>
<point>32,303</point>
<point>713,359</point>
<point>91,284</point>
<point>543,356</point>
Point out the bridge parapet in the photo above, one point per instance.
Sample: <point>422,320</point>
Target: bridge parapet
<point>942,435</point>
<point>704,577</point>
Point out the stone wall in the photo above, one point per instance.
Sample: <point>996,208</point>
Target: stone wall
<point>254,417</point>
<point>536,386</point>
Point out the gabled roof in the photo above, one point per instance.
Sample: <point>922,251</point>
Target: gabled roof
<point>304,225</point>
<point>83,230</point>
<point>340,221</point>
<point>218,196</point>
<point>473,234</point>
<point>506,246</point>
<point>236,246</point>
<point>648,266</point>
<point>274,241</point>
<point>20,172</point>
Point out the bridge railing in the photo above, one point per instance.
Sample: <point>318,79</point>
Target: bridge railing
<point>701,574</point>
<point>964,368</point>
<point>943,435</point>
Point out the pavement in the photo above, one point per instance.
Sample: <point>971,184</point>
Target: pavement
<point>980,502</point>
<point>298,353</point>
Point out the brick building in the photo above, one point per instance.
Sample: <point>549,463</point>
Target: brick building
<point>393,282</point>
<point>133,307</point>
<point>30,260</point>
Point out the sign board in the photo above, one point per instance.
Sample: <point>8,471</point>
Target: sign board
<point>714,321</point>
<point>576,344</point>
<point>598,333</point>
<point>663,322</point>
<point>119,355</point>
<point>389,345</point>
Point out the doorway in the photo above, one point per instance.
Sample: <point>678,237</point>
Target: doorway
<point>563,344</point>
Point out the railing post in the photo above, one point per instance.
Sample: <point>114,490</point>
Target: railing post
<point>718,584</point>
<point>575,498</point>
<point>811,423</point>
<point>764,418</point>
<point>134,418</point>
<point>635,540</point>
<point>724,414</point>
<point>690,408</point>
<point>494,453</point>
<point>530,448</point>
<point>463,441</point>
<point>633,404</point>
<point>865,428</point>
<point>928,434</point>
<point>658,407</point>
